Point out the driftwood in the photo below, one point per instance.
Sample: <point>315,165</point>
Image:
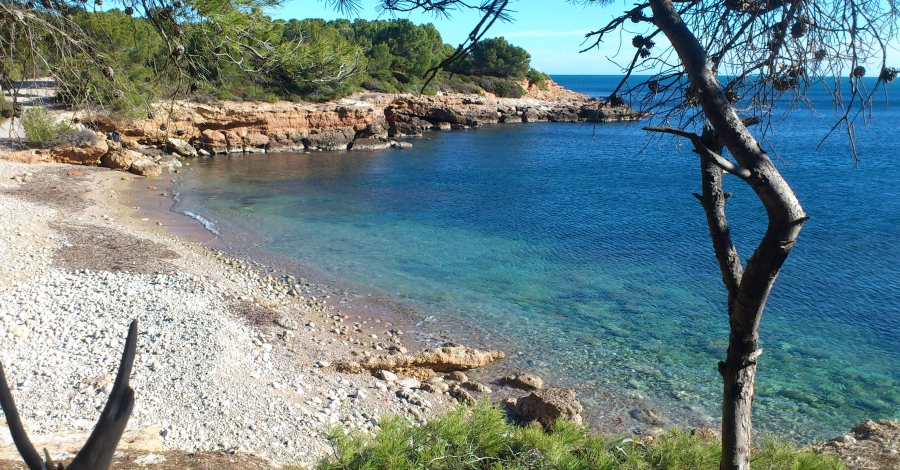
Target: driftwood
<point>98,451</point>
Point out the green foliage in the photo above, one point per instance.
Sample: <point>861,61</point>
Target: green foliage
<point>497,58</point>
<point>502,87</point>
<point>778,453</point>
<point>218,49</point>
<point>42,129</point>
<point>538,78</point>
<point>6,109</point>
<point>480,437</point>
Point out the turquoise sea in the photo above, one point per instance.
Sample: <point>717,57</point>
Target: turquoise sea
<point>582,246</point>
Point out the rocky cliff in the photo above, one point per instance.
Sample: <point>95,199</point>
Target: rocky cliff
<point>364,121</point>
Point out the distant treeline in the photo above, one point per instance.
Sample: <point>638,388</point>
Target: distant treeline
<point>315,60</point>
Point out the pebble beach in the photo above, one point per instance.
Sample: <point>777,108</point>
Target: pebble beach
<point>230,357</point>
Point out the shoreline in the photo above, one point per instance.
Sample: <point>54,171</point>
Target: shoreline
<point>207,336</point>
<point>274,396</point>
<point>608,409</point>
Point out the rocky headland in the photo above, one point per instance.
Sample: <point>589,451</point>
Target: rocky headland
<point>363,121</point>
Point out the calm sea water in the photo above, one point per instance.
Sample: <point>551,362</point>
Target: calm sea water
<point>582,245</point>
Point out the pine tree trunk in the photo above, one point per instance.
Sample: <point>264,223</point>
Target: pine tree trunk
<point>738,375</point>
<point>748,289</point>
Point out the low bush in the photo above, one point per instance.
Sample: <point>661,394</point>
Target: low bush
<point>501,87</point>
<point>481,437</point>
<point>538,78</point>
<point>43,130</point>
<point>6,109</point>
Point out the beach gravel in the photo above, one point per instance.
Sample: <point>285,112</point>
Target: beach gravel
<point>222,362</point>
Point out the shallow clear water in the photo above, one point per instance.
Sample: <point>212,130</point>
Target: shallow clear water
<point>583,245</point>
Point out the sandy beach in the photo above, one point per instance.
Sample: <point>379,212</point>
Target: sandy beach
<point>227,360</point>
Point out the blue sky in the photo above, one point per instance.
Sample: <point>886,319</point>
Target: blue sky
<point>552,31</point>
<point>553,34</point>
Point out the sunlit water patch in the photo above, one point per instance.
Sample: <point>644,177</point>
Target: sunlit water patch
<point>584,248</point>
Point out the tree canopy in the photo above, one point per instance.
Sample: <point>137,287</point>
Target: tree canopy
<point>123,56</point>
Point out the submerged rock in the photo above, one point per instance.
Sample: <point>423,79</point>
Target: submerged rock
<point>523,380</point>
<point>648,415</point>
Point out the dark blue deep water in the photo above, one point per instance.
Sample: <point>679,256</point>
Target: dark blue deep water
<point>583,246</point>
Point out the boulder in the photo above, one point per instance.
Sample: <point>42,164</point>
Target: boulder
<point>458,376</point>
<point>168,163</point>
<point>443,126</point>
<point>462,395</point>
<point>448,359</point>
<point>255,142</point>
<point>534,115</point>
<point>369,143</point>
<point>88,151</point>
<point>399,144</point>
<point>402,125</point>
<point>523,380</point>
<point>146,439</point>
<point>510,118</point>
<point>145,167</point>
<point>213,141</point>
<point>409,382</point>
<point>329,139</point>
<point>445,359</point>
<point>547,406</point>
<point>180,147</point>
<point>477,387</point>
<point>234,141</point>
<point>120,159</point>
<point>376,130</point>
<point>386,375</point>
<point>284,145</point>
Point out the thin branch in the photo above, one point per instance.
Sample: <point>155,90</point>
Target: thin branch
<point>720,161</point>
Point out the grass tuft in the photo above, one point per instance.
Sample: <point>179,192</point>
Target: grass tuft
<point>481,437</point>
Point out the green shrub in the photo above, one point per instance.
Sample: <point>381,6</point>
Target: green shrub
<point>538,78</point>
<point>6,109</point>
<point>501,87</point>
<point>42,129</point>
<point>481,437</point>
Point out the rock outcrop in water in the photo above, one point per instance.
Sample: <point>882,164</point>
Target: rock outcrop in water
<point>432,361</point>
<point>364,121</point>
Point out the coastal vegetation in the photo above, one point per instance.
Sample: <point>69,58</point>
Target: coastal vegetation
<point>42,129</point>
<point>481,437</point>
<point>122,61</point>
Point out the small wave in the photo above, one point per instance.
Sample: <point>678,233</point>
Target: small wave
<point>206,223</point>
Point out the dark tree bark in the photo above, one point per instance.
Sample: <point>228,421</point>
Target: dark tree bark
<point>748,289</point>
